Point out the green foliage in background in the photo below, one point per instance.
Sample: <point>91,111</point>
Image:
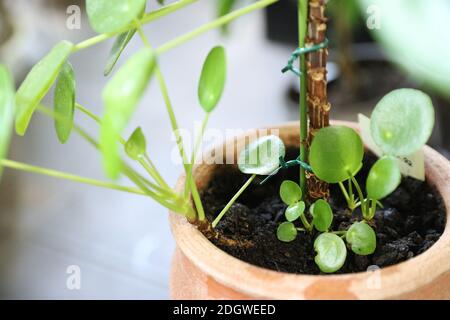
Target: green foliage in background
<point>414,34</point>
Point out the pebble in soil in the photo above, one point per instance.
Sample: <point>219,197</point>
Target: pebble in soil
<point>412,220</point>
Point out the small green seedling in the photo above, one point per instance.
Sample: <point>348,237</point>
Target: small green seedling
<point>330,248</point>
<point>322,215</point>
<point>260,157</point>
<point>384,177</point>
<point>336,156</point>
<point>336,152</point>
<point>294,211</point>
<point>329,245</point>
<point>362,238</point>
<point>291,195</point>
<point>287,232</point>
<point>331,252</point>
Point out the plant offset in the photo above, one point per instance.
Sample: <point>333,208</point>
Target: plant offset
<point>401,123</point>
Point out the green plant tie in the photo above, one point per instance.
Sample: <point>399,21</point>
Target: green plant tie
<point>300,51</point>
<point>287,164</point>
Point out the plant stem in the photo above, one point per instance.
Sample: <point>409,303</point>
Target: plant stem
<point>305,222</point>
<point>361,197</point>
<point>302,26</point>
<point>198,140</point>
<point>150,167</point>
<point>350,190</point>
<point>339,232</point>
<point>175,129</point>
<point>179,140</point>
<point>344,192</point>
<point>177,207</point>
<point>197,144</point>
<point>88,113</point>
<point>157,176</point>
<point>373,209</point>
<point>148,17</point>
<point>349,196</point>
<point>160,195</point>
<point>67,176</point>
<point>151,16</point>
<point>213,24</point>
<point>230,203</point>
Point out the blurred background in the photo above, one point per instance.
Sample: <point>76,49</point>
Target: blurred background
<point>122,243</point>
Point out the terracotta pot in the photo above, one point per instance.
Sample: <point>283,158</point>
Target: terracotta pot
<point>200,270</point>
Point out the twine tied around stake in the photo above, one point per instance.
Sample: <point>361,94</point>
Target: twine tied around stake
<point>287,164</point>
<point>300,51</point>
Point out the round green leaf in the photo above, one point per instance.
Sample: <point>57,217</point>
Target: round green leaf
<point>331,252</point>
<point>290,192</point>
<point>38,82</point>
<point>384,177</point>
<point>322,215</point>
<point>294,211</point>
<point>120,97</point>
<point>64,102</point>
<point>212,79</point>
<point>362,238</point>
<point>286,232</point>
<point>402,122</point>
<point>136,145</point>
<point>262,156</point>
<point>107,16</point>
<point>6,111</point>
<point>336,152</point>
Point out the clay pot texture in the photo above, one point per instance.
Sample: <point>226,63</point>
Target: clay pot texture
<point>200,270</point>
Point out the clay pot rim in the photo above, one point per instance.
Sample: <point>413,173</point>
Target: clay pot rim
<point>264,283</point>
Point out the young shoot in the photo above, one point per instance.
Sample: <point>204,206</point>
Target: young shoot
<point>362,238</point>
<point>291,195</point>
<point>260,157</point>
<point>330,246</point>
<point>332,251</point>
<point>336,156</point>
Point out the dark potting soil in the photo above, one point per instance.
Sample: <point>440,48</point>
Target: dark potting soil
<point>412,220</point>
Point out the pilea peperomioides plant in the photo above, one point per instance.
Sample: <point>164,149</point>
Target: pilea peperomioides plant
<point>401,124</point>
